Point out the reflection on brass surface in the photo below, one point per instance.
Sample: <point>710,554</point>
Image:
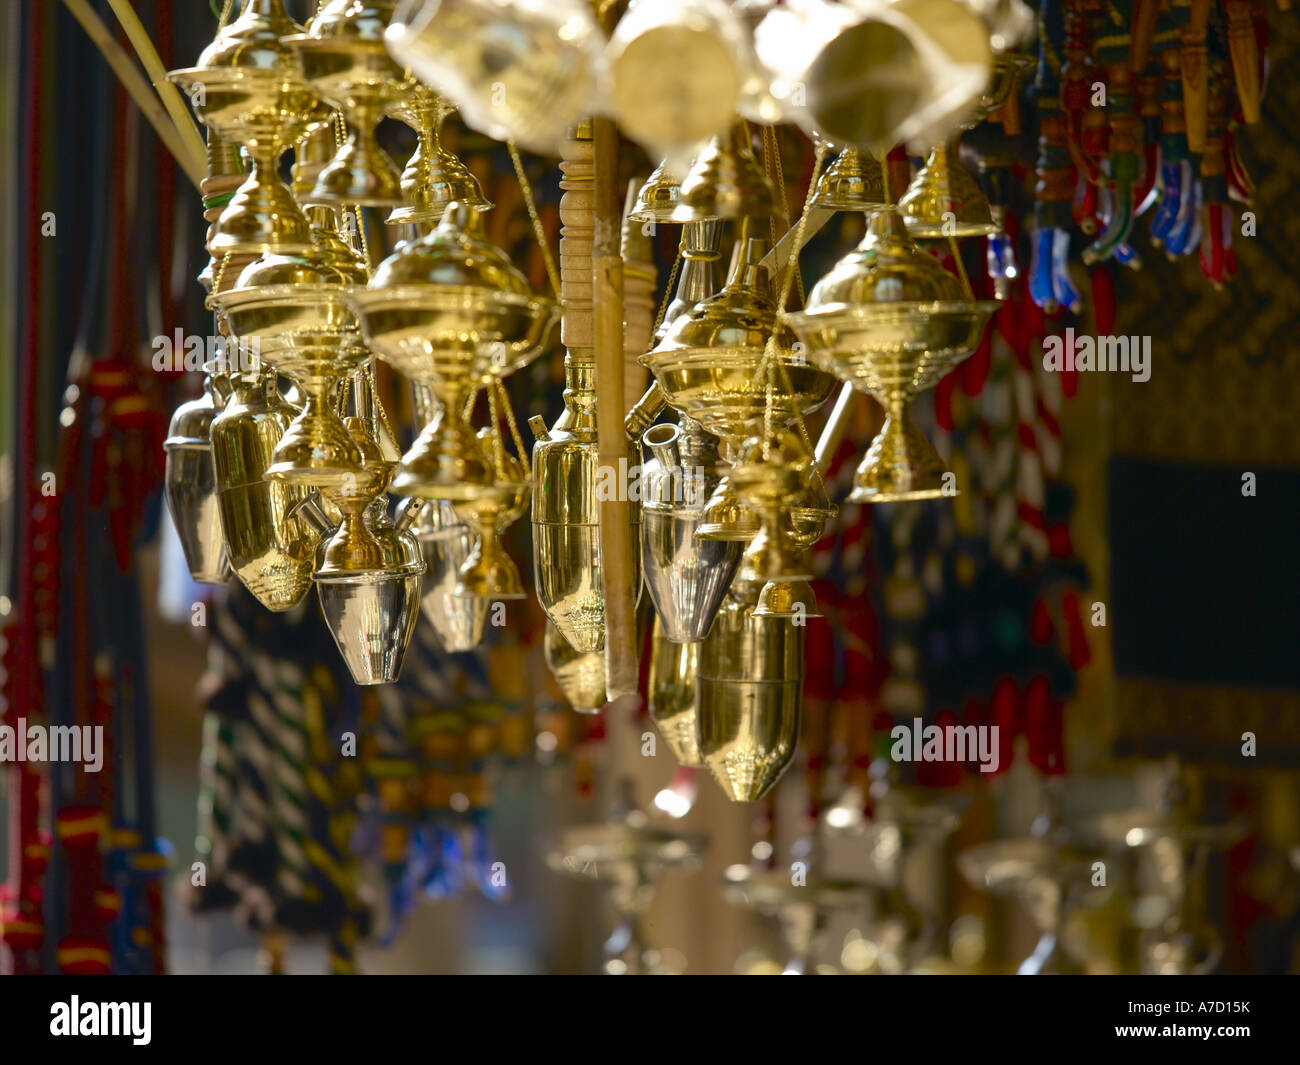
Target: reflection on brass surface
<point>248,87</point>
<point>434,178</point>
<point>750,697</point>
<point>343,57</point>
<point>855,181</point>
<point>658,197</point>
<point>672,696</point>
<point>566,513</point>
<point>294,307</point>
<point>450,311</point>
<point>687,576</point>
<point>580,674</point>
<point>271,552</point>
<point>726,181</point>
<point>192,488</point>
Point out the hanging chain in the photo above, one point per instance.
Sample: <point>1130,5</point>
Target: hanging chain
<point>769,352</point>
<point>379,403</point>
<point>498,451</point>
<point>672,281</point>
<point>210,301</point>
<point>359,213</point>
<point>539,231</point>
<point>780,184</point>
<point>510,417</point>
<point>345,390</point>
<point>961,269</point>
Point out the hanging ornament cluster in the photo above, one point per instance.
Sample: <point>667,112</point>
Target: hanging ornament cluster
<point>291,487</point>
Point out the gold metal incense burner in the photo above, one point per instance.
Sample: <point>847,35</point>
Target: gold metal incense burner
<point>750,695</point>
<point>343,57</point>
<point>891,321</point>
<point>567,484</point>
<point>658,198</point>
<point>446,542</point>
<point>270,549</point>
<point>450,311</point>
<point>687,577</point>
<point>489,572</point>
<point>855,181</point>
<point>726,181</point>
<point>248,87</point>
<point>580,674</point>
<point>767,478</point>
<point>674,676</point>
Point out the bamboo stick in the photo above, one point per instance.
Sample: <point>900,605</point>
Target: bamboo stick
<point>153,66</point>
<point>139,90</point>
<point>616,546</point>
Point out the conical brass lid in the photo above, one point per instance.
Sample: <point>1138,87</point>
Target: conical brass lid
<point>945,201</point>
<point>727,182</point>
<point>740,317</point>
<point>252,43</point>
<point>853,182</point>
<point>658,197</point>
<point>455,253</point>
<point>887,267</point>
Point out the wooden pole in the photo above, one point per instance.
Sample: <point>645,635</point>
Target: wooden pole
<point>616,544</point>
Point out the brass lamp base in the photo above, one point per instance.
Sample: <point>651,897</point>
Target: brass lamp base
<point>361,173</point>
<point>901,465</point>
<point>262,217</point>
<point>317,451</point>
<point>447,461</point>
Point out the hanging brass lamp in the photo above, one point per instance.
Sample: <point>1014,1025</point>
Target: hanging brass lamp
<point>450,311</point>
<point>343,57</point>
<point>891,321</point>
<point>248,87</point>
<point>434,178</point>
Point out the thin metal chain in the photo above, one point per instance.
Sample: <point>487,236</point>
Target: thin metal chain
<point>961,269</point>
<point>769,352</point>
<point>539,231</point>
<point>497,449</point>
<point>359,212</point>
<point>510,417</point>
<point>210,301</point>
<point>780,184</point>
<point>225,14</point>
<point>672,282</point>
<point>379,403</point>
